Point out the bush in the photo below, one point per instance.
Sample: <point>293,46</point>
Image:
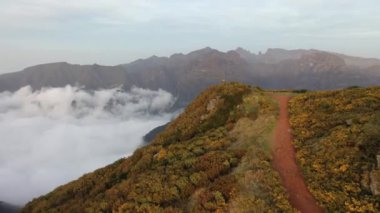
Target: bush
<point>300,91</point>
<point>337,135</point>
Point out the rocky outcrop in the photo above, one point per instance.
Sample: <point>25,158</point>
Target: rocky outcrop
<point>375,182</point>
<point>374,178</point>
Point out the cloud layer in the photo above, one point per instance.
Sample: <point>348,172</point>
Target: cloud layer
<point>117,31</point>
<point>55,135</point>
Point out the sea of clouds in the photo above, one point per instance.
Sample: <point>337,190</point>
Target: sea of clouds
<point>54,135</point>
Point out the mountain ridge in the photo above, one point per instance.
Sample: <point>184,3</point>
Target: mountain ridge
<point>204,161</point>
<point>218,156</point>
<point>186,75</point>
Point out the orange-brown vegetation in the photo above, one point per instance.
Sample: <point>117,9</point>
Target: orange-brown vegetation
<point>200,163</point>
<point>337,137</point>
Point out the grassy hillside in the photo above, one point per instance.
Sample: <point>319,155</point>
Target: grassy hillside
<point>337,137</point>
<point>213,157</point>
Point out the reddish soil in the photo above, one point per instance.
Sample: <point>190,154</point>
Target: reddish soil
<point>284,162</point>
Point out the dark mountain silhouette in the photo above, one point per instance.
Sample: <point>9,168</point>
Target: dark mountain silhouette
<point>185,75</point>
<point>182,75</point>
<point>152,134</point>
<point>8,208</point>
<point>61,74</point>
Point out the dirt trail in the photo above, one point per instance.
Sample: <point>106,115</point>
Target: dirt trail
<point>284,162</point>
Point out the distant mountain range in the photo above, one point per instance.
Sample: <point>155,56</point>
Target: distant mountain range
<point>186,75</point>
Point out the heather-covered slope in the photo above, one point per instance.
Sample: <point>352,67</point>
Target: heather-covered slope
<point>213,157</point>
<point>284,161</point>
<point>337,137</point>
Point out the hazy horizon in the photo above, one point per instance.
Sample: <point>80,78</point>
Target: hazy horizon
<point>168,55</point>
<point>115,32</point>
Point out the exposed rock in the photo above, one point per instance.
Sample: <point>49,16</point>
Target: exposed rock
<point>365,181</point>
<point>212,104</point>
<point>349,122</point>
<point>211,107</point>
<point>375,182</point>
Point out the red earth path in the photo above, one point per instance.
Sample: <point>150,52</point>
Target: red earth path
<point>285,164</point>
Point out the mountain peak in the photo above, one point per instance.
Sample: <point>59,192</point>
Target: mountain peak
<point>242,50</point>
<point>203,51</point>
<point>246,54</point>
<point>49,65</point>
<point>156,58</point>
<point>275,49</point>
<point>176,55</point>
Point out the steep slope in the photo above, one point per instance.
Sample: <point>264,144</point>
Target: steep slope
<point>337,137</point>
<point>213,157</point>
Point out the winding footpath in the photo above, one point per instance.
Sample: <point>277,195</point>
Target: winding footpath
<point>284,162</point>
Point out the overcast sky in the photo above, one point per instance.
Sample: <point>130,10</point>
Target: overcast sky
<point>111,32</point>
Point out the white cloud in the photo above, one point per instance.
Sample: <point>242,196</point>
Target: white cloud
<point>241,13</point>
<point>41,14</point>
<point>118,31</point>
<point>55,135</point>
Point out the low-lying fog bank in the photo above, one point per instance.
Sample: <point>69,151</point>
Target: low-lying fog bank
<point>55,135</point>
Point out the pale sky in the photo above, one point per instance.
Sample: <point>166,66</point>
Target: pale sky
<point>112,32</point>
